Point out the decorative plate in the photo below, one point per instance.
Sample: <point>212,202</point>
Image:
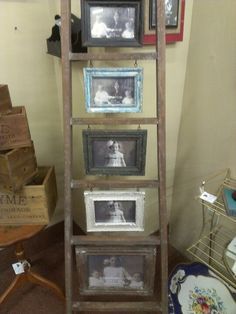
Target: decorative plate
<point>194,289</point>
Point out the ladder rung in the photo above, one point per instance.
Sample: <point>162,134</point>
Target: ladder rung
<point>113,121</point>
<point>103,240</point>
<point>91,184</point>
<point>118,306</point>
<point>112,56</point>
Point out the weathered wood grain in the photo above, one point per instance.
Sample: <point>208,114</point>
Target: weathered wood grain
<point>17,167</point>
<point>14,129</point>
<point>34,203</point>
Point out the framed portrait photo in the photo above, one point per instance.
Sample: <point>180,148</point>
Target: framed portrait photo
<point>114,210</point>
<point>112,23</point>
<point>171,12</point>
<point>116,270</point>
<point>174,11</point>
<point>113,90</point>
<point>114,152</point>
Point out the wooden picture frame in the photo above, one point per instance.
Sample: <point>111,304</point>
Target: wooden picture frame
<point>113,90</point>
<point>116,267</point>
<point>115,152</point>
<point>114,210</point>
<point>112,23</point>
<point>174,30</point>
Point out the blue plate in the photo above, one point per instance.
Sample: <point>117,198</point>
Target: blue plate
<point>194,289</point>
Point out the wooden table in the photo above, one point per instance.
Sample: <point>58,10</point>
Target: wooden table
<point>15,235</point>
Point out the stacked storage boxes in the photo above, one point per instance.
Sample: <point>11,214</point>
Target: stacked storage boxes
<point>28,194</point>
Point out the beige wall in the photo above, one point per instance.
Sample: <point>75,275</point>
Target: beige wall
<point>207,136</point>
<point>30,75</point>
<point>34,79</point>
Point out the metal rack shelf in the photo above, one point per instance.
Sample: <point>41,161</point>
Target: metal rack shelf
<point>209,249</point>
<point>218,206</point>
<point>216,232</point>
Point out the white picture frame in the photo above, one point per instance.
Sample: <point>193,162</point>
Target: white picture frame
<point>114,210</point>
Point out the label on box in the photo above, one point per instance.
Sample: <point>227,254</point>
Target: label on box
<point>210,198</point>
<point>18,268</point>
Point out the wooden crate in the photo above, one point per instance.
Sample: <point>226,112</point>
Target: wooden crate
<point>14,129</point>
<point>5,99</point>
<point>17,167</point>
<point>34,204</point>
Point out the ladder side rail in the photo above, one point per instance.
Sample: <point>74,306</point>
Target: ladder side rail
<point>67,113</point>
<point>161,147</point>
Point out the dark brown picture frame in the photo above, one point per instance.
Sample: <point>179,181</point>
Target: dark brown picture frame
<point>99,157</point>
<point>104,33</point>
<point>93,257</point>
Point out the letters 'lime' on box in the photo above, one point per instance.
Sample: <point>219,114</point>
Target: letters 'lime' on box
<point>34,204</point>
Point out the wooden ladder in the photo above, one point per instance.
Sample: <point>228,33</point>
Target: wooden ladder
<point>160,183</point>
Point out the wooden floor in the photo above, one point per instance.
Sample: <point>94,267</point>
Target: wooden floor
<point>49,262</point>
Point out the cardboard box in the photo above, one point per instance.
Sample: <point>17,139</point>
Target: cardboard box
<point>5,99</point>
<point>17,167</point>
<point>34,204</point>
<point>14,129</point>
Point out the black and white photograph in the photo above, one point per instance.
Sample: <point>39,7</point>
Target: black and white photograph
<point>120,152</point>
<point>106,92</point>
<point>171,11</point>
<point>116,271</point>
<point>113,22</point>
<point>114,153</point>
<point>119,269</point>
<point>113,89</point>
<point>114,210</point>
<point>174,20</point>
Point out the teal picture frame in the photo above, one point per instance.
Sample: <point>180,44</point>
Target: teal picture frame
<point>113,90</point>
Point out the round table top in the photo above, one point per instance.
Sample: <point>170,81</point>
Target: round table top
<point>13,234</point>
